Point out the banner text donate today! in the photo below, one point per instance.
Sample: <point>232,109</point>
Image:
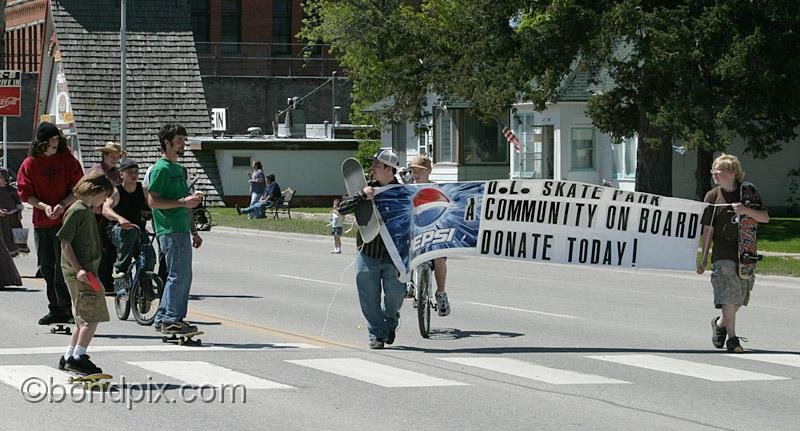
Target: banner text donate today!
<point>576,223</point>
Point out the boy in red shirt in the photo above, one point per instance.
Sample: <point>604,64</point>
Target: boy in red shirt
<point>45,180</point>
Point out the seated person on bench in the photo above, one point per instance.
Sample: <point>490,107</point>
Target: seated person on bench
<point>271,197</point>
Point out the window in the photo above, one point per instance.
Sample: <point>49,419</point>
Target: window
<point>241,162</point>
<point>446,136</point>
<point>231,25</point>
<point>582,140</point>
<point>483,141</point>
<point>200,25</point>
<point>625,158</point>
<point>281,27</point>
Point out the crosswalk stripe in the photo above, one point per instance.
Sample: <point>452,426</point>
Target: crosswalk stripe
<point>686,368</point>
<point>377,374</point>
<point>788,359</point>
<point>527,370</point>
<point>16,375</point>
<point>201,373</point>
<point>155,348</point>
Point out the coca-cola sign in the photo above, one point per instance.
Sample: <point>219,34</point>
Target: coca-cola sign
<point>10,93</point>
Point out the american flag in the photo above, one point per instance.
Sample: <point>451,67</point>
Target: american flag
<point>512,139</point>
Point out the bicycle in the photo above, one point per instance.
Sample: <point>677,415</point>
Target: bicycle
<point>144,308</point>
<point>420,285</point>
<point>201,216</point>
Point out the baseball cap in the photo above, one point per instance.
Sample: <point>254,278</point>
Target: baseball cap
<point>387,157</point>
<point>127,164</point>
<point>421,162</point>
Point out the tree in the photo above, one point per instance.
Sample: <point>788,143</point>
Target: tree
<point>699,72</point>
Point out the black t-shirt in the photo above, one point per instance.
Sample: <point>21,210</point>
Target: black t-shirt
<point>131,205</point>
<point>726,233</point>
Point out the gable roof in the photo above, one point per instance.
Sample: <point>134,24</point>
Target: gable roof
<point>163,82</point>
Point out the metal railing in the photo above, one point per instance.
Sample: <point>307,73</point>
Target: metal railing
<point>264,59</point>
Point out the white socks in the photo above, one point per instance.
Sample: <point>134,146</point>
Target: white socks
<point>69,351</point>
<point>78,352</point>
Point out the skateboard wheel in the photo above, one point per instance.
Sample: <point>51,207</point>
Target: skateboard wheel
<point>52,330</point>
<point>163,339</point>
<point>69,331</point>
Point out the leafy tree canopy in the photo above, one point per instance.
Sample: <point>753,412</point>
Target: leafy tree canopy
<point>700,71</point>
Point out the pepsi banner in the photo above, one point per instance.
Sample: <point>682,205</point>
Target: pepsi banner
<point>539,220</point>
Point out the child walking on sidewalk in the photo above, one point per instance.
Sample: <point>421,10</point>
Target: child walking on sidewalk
<point>81,250</point>
<point>336,228</point>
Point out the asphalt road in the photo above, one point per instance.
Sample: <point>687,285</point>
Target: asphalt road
<point>527,346</point>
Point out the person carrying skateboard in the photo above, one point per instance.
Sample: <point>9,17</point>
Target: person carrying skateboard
<point>126,225</point>
<point>45,181</point>
<point>174,228</point>
<point>719,226</point>
<point>420,173</point>
<point>81,252</point>
<point>374,268</point>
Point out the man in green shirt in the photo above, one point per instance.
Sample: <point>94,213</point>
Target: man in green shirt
<point>176,235</point>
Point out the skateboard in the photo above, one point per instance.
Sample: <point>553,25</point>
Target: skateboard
<point>184,339</point>
<point>748,232</point>
<point>354,182</point>
<point>89,381</point>
<point>63,328</point>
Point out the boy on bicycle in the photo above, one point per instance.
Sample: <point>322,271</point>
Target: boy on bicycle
<point>126,227</point>
<point>420,172</point>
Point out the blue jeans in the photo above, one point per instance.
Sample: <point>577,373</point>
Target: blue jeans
<point>125,241</point>
<point>174,302</point>
<point>257,209</point>
<point>253,200</point>
<point>372,276</point>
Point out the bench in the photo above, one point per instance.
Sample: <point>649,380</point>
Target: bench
<point>285,205</point>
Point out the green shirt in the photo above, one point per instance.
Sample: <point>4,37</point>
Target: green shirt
<point>168,181</point>
<point>81,231</point>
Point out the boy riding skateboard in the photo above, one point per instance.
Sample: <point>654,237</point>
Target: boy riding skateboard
<point>720,226</point>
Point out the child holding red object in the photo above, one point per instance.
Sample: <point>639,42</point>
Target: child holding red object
<point>81,250</point>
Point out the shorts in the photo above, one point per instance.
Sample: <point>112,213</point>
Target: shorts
<point>88,306</point>
<point>336,231</point>
<point>729,288</point>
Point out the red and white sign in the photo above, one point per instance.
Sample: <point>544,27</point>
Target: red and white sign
<point>10,93</point>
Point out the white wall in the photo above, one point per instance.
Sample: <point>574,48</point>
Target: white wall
<point>309,172</point>
<point>769,175</point>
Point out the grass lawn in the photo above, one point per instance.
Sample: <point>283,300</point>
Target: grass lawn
<point>228,217</point>
<point>779,235</point>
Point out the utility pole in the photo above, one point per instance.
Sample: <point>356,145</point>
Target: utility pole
<point>123,80</point>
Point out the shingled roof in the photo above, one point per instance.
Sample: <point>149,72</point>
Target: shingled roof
<point>164,82</point>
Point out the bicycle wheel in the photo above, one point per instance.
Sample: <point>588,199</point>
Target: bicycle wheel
<point>423,297</point>
<point>202,219</point>
<point>121,303</point>
<point>144,308</point>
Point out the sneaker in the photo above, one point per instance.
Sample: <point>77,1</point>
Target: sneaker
<point>390,337</point>
<point>179,327</point>
<point>338,251</point>
<point>82,365</point>
<point>376,344</point>
<point>442,304</point>
<point>159,327</point>
<point>117,274</point>
<point>334,251</point>
<point>62,363</point>
<point>718,334</point>
<point>238,210</point>
<point>50,318</point>
<point>734,346</point>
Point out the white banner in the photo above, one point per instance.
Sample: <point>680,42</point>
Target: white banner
<point>539,220</point>
<point>569,222</point>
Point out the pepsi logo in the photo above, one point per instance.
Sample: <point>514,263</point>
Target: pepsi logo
<point>428,205</point>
